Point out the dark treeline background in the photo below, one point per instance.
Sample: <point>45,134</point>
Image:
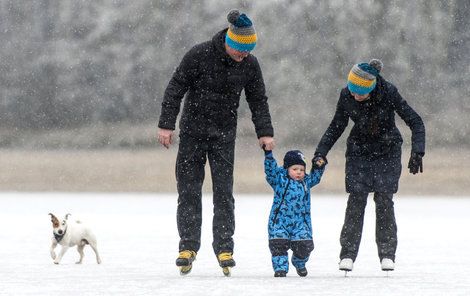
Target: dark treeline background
<point>69,65</point>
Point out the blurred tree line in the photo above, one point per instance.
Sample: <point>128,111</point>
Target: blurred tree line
<point>69,64</point>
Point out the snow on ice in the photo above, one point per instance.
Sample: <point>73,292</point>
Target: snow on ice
<point>138,243</point>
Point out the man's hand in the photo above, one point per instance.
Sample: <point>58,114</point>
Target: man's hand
<point>266,143</point>
<point>165,137</point>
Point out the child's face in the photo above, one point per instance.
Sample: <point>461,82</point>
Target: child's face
<point>296,172</point>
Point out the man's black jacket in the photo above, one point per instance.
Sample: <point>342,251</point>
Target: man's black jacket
<point>213,83</point>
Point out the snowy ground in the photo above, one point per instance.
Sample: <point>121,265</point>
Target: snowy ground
<point>138,243</point>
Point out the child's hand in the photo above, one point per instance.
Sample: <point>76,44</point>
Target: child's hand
<point>266,141</point>
<point>266,152</point>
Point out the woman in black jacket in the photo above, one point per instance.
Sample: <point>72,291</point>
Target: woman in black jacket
<point>373,156</point>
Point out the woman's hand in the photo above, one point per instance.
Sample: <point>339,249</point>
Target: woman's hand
<point>416,163</point>
<point>319,161</point>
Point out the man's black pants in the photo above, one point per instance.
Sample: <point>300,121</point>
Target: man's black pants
<point>190,163</point>
<point>385,228</point>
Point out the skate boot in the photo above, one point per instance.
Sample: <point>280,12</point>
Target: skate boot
<point>226,262</point>
<point>185,261</point>
<point>346,265</point>
<point>387,264</point>
<point>280,273</point>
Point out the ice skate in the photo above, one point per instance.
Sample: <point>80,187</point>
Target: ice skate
<point>185,261</point>
<point>226,262</point>
<point>346,265</point>
<point>387,265</point>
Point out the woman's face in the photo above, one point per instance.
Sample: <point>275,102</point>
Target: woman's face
<point>360,98</point>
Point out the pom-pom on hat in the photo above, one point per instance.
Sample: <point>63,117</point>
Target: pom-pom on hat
<point>294,157</point>
<point>362,77</point>
<point>241,34</point>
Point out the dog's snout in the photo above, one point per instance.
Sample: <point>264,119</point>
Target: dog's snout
<point>60,231</point>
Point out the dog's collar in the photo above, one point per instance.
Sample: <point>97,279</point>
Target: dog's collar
<point>59,237</point>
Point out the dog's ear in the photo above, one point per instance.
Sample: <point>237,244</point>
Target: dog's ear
<point>67,216</point>
<point>54,220</point>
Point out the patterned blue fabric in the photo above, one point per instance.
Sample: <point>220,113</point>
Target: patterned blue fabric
<point>290,213</point>
<point>280,263</point>
<point>299,263</point>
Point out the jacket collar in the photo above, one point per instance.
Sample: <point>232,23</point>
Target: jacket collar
<point>377,93</point>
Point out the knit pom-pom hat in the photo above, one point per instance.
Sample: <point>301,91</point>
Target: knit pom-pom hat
<point>363,77</point>
<point>241,33</point>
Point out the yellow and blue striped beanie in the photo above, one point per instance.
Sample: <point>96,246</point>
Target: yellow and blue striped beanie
<point>363,77</point>
<point>241,34</point>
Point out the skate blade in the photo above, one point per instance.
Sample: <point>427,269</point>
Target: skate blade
<point>184,270</point>
<point>226,271</point>
<point>387,274</point>
<point>345,272</point>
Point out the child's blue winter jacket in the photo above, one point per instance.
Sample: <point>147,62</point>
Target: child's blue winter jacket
<point>290,213</point>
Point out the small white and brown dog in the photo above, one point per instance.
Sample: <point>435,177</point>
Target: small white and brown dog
<point>70,233</point>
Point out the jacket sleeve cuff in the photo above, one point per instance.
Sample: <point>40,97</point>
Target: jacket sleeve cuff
<point>266,132</point>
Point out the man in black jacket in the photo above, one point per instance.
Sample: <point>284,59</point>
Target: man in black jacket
<point>373,156</point>
<point>213,75</point>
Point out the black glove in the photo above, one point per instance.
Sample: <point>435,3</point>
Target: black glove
<point>416,163</point>
<point>318,161</point>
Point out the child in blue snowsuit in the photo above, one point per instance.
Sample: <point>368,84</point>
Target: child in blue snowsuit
<point>290,225</point>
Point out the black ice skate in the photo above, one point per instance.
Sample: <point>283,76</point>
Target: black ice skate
<point>185,261</point>
<point>226,262</point>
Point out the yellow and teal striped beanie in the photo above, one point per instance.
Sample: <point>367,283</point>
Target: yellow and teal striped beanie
<point>241,34</point>
<point>363,77</point>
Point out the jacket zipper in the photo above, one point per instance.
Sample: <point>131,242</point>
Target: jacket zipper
<point>282,200</point>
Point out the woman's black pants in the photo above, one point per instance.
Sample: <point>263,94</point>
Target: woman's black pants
<point>385,227</point>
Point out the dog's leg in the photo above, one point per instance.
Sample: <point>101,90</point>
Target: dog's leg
<point>94,246</point>
<point>61,254</point>
<point>53,245</point>
<point>80,251</point>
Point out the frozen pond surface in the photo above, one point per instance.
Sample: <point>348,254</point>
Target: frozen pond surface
<point>138,243</point>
